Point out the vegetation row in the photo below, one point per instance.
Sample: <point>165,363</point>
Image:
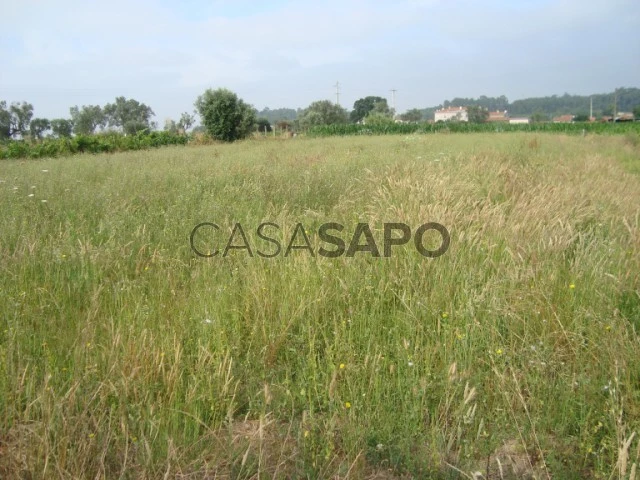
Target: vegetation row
<point>464,127</point>
<point>101,143</point>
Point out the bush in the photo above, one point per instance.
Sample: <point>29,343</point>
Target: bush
<point>224,115</point>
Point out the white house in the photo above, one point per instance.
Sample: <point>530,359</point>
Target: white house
<point>518,120</point>
<point>452,113</point>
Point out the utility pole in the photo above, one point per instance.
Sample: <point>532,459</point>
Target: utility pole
<point>393,99</point>
<point>590,108</point>
<point>337,85</point>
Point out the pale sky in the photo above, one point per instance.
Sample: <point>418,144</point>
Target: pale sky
<point>57,54</point>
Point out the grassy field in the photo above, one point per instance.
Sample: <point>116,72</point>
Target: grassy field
<point>125,355</point>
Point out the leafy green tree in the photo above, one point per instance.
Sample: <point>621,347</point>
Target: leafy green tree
<point>490,103</point>
<point>5,121</point>
<point>278,114</point>
<point>378,119</point>
<point>15,119</point>
<point>130,115</point>
<point>21,117</point>
<point>382,108</point>
<point>86,119</point>
<point>38,126</point>
<point>170,126</point>
<point>225,116</point>
<point>263,125</point>
<point>186,121</point>
<point>636,112</point>
<point>61,127</point>
<point>539,116</point>
<point>581,117</point>
<point>363,106</point>
<point>323,112</point>
<point>477,114</point>
<point>413,115</point>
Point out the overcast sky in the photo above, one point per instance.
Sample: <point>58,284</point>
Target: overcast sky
<point>56,54</point>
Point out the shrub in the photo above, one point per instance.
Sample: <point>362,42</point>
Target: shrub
<point>225,116</point>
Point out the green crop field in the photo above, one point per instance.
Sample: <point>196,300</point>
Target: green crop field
<point>515,354</point>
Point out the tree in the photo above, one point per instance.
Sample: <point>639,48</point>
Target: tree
<point>381,108</point>
<point>581,117</point>
<point>378,119</point>
<point>413,115</point>
<point>130,115</point>
<point>87,119</point>
<point>38,126</point>
<point>225,116</point>
<point>636,112</point>
<point>170,126</point>
<point>186,121</point>
<point>277,114</point>
<point>5,121</point>
<point>61,127</point>
<point>21,114</point>
<point>15,119</point>
<point>264,126</point>
<point>363,106</point>
<point>539,116</point>
<point>323,112</point>
<point>284,125</point>
<point>477,114</point>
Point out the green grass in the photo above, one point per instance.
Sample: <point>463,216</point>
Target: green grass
<point>124,355</point>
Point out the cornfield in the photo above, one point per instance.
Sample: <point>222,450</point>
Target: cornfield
<point>463,127</point>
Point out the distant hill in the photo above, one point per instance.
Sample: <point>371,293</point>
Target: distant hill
<point>625,99</point>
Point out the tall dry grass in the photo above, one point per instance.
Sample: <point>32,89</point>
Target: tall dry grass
<point>516,353</point>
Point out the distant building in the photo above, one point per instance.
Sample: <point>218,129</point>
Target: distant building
<point>563,119</point>
<point>498,116</point>
<point>624,117</point>
<point>452,113</point>
<point>516,120</point>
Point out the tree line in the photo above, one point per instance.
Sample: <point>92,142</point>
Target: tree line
<point>538,108</point>
<point>124,115</point>
<point>545,108</point>
<point>224,116</point>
